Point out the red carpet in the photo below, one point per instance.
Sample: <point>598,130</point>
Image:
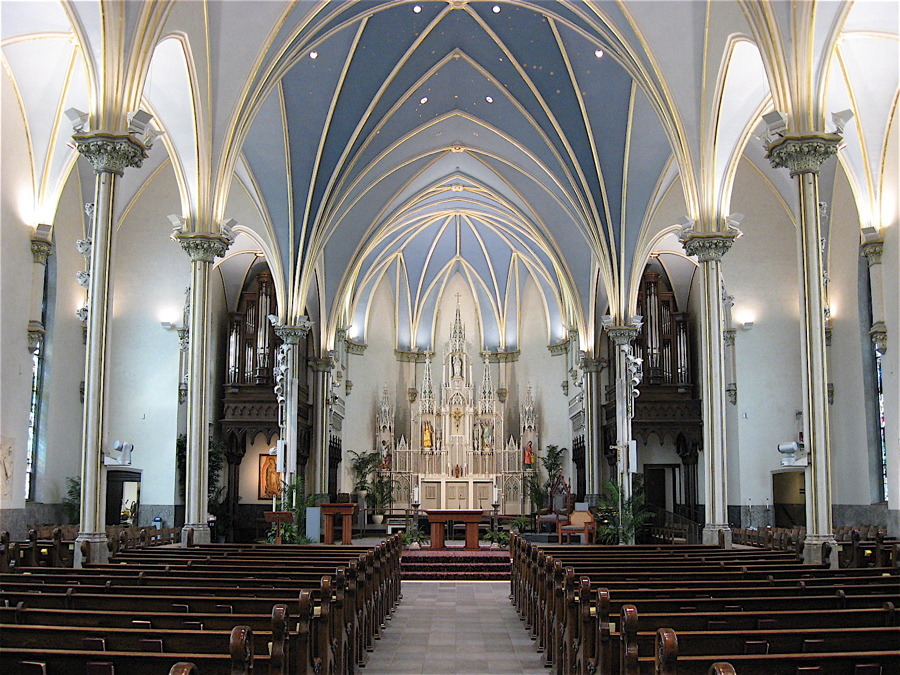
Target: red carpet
<point>455,565</point>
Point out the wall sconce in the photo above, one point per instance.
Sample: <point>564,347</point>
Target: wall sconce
<point>746,325</point>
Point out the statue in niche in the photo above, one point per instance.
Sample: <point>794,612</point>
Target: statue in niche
<point>487,432</point>
<point>427,435</point>
<point>456,366</point>
<point>529,455</point>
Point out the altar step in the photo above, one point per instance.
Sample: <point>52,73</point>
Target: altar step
<point>427,565</point>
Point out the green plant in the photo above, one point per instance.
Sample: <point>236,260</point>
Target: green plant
<point>414,535</point>
<point>383,492</point>
<point>500,537</point>
<point>538,488</point>
<point>71,503</point>
<point>362,465</point>
<point>293,499</point>
<point>624,517</point>
<point>520,523</point>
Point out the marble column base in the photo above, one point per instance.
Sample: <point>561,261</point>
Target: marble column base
<point>813,553</point>
<point>97,544</point>
<point>202,534</point>
<point>711,534</point>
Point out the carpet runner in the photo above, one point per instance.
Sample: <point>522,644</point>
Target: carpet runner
<point>449,565</point>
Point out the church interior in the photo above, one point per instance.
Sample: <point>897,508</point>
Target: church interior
<point>468,254</point>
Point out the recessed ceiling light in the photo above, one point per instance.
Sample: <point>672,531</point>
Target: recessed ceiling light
<point>417,9</point>
<point>598,53</point>
<point>314,55</point>
<point>489,99</point>
<point>495,9</point>
<point>423,100</point>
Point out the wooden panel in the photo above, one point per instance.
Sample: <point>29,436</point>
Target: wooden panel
<point>431,495</point>
<point>457,495</point>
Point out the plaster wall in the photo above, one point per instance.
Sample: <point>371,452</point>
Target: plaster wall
<point>249,472</point>
<point>150,273</point>
<point>761,272</point>
<point>18,218</point>
<point>850,364</point>
<point>371,372</point>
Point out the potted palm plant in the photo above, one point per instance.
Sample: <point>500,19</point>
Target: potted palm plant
<point>363,464</point>
<point>383,496</point>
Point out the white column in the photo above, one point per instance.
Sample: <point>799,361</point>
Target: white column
<point>41,250</point>
<point>709,247</point>
<point>317,469</point>
<point>803,155</point>
<point>872,250</point>
<point>289,369</point>
<point>203,249</point>
<point>626,381</point>
<point>594,436</point>
<point>109,155</point>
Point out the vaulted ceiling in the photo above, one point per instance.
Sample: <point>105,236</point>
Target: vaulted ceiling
<point>403,143</point>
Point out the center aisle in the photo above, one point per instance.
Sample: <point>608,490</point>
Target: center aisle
<point>455,627</point>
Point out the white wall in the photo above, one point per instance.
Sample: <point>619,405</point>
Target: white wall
<point>851,458</point>
<point>761,272</point>
<point>150,273</point>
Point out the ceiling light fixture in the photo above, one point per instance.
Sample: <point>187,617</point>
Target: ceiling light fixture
<point>314,55</point>
<point>495,9</point>
<point>423,100</point>
<point>417,9</point>
<point>489,99</point>
<point>599,53</point>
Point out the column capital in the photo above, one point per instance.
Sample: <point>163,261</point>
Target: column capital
<point>623,335</point>
<point>594,365</point>
<point>35,335</point>
<point>110,153</point>
<point>803,154</point>
<point>292,334</point>
<point>322,365</point>
<point>41,250</point>
<point>872,251</point>
<point>878,333</point>
<point>203,247</point>
<point>708,246</point>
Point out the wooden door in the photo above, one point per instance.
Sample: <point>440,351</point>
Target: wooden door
<point>431,495</point>
<point>457,495</point>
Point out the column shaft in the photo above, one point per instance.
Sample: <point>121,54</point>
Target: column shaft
<point>712,388</point>
<point>196,474</point>
<point>815,381</point>
<point>803,156</point>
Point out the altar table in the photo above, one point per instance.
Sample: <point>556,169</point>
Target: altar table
<point>331,512</point>
<point>439,518</point>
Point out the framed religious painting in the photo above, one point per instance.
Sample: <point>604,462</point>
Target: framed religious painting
<point>269,478</point>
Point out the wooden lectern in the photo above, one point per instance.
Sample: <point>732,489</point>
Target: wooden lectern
<point>439,518</point>
<point>345,511</point>
<point>278,517</point>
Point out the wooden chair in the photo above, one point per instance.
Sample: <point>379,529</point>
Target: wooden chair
<point>560,505</point>
<point>580,522</point>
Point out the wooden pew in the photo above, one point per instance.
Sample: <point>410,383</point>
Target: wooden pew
<point>336,622</point>
<point>239,660</point>
<point>563,612</point>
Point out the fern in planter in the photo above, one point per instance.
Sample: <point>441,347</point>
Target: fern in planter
<point>71,503</point>
<point>629,521</point>
<point>499,537</point>
<point>414,535</point>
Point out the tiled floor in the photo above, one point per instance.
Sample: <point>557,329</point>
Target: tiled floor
<point>455,627</point>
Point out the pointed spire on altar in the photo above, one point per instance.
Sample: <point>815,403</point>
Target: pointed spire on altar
<point>385,416</point>
<point>487,386</point>
<point>457,332</point>
<point>427,405</point>
<point>528,416</point>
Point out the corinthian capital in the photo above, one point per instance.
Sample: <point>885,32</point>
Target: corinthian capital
<point>110,153</point>
<point>623,335</point>
<point>708,246</point>
<point>872,250</point>
<point>292,334</point>
<point>803,154</point>
<point>40,251</point>
<point>203,247</point>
